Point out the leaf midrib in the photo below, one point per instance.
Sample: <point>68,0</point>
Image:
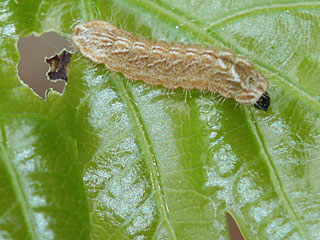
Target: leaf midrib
<point>274,175</point>
<point>253,10</point>
<point>150,159</point>
<point>18,189</point>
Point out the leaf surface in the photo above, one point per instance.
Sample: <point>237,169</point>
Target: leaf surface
<point>116,159</point>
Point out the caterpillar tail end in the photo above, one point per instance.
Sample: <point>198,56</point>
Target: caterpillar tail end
<point>263,102</point>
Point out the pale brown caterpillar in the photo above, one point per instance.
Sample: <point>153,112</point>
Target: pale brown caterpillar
<point>172,65</point>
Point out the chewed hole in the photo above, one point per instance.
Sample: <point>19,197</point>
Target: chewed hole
<point>32,68</point>
<point>234,229</point>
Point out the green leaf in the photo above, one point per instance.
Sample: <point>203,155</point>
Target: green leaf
<point>116,159</point>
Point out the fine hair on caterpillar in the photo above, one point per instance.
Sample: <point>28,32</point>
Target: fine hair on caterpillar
<point>172,65</point>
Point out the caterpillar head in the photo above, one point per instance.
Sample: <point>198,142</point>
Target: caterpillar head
<point>263,102</point>
<point>254,86</point>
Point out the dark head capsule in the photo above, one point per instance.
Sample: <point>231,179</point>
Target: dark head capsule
<point>263,102</point>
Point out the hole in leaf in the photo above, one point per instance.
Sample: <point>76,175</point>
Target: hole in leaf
<point>33,68</point>
<point>234,229</point>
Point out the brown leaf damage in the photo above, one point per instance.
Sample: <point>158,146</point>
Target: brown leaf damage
<point>59,64</point>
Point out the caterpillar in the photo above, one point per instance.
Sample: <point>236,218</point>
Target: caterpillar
<point>172,65</point>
